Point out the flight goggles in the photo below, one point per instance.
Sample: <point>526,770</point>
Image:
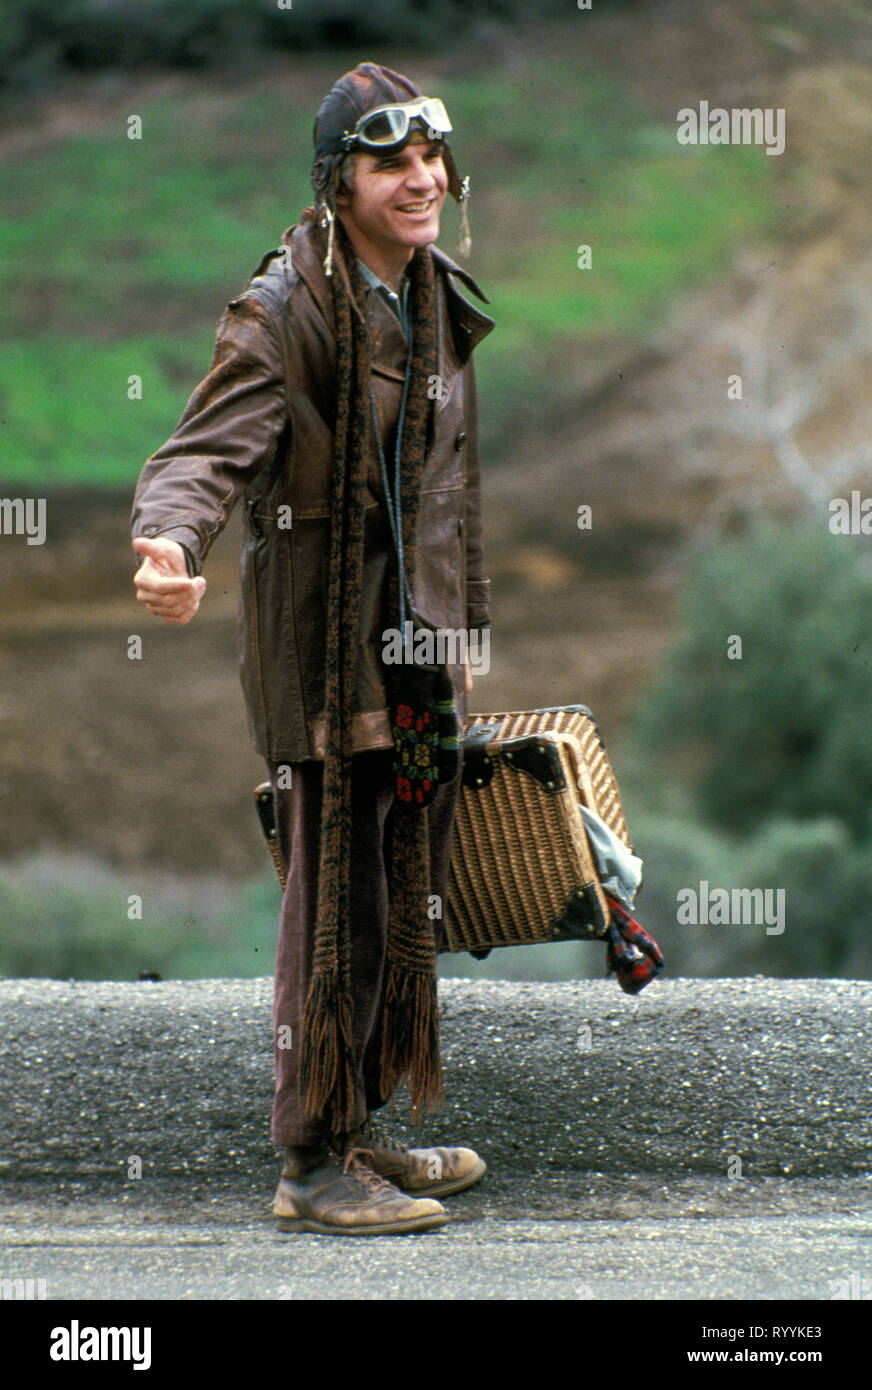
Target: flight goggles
<point>388,127</point>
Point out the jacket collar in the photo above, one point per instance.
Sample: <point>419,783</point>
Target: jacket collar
<point>306,257</point>
<point>469,325</point>
<point>450,267</point>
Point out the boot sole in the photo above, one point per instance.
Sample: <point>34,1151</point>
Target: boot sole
<point>386,1228</point>
<point>449,1186</point>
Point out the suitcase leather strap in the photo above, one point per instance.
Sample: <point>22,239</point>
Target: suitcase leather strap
<point>538,757</point>
<point>478,767</point>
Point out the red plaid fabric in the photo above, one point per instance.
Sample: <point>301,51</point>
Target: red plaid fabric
<point>631,953</point>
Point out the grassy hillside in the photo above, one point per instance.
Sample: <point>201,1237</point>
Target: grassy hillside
<point>120,253</point>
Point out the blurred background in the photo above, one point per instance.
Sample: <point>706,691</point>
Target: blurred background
<point>607,387</point>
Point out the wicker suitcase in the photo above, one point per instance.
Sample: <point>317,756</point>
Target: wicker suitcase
<point>521,867</point>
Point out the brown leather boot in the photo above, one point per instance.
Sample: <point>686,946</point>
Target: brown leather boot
<point>348,1199</point>
<point>438,1172</point>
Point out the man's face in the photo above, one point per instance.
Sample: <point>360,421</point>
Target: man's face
<point>397,197</point>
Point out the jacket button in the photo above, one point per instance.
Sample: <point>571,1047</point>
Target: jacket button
<point>460,440</point>
<point>149,530</point>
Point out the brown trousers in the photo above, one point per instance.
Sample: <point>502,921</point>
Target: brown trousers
<point>298,810</point>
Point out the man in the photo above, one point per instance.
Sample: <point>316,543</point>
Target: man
<point>344,362</point>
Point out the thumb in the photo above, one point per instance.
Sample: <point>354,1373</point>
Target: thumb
<point>143,546</point>
<point>168,556</point>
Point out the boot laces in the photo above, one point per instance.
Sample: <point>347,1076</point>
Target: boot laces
<point>356,1166</point>
<point>374,1131</point>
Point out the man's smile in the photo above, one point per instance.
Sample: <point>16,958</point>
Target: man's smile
<point>415,209</point>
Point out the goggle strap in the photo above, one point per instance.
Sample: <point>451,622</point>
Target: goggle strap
<point>336,145</point>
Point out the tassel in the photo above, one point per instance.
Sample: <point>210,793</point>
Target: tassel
<point>327,1060</point>
<point>464,243</point>
<point>327,220</point>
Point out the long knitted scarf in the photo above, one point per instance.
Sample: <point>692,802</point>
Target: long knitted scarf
<point>409,1025</point>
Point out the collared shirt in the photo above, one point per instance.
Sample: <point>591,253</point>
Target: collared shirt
<point>398,302</point>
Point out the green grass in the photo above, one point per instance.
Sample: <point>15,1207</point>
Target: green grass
<point>67,414</point>
<point>103,221</point>
<point>120,254</point>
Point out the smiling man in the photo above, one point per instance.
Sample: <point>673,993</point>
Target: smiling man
<point>340,407</point>
<point>384,223</point>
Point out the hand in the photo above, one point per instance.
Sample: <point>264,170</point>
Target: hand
<point>468,677</point>
<point>162,581</point>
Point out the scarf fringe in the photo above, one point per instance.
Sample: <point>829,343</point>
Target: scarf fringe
<point>410,1038</point>
<point>327,1075</point>
<point>410,1014</point>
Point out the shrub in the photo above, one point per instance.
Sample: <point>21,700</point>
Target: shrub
<point>783,730</point>
<point>822,873</point>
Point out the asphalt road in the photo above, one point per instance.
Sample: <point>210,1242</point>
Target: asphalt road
<point>708,1140</point>
<point>560,1238</point>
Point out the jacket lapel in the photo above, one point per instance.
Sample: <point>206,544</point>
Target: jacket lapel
<point>468,324</point>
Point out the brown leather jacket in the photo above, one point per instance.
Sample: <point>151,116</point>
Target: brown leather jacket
<point>260,426</point>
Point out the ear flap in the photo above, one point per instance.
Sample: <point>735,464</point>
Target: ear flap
<point>455,187</point>
<point>459,190</point>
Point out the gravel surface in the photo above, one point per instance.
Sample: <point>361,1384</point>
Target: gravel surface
<point>692,1077</point>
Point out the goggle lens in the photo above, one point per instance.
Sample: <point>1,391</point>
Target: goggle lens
<point>390,124</point>
<point>385,127</point>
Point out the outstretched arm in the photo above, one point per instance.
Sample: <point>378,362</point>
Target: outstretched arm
<point>227,434</point>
